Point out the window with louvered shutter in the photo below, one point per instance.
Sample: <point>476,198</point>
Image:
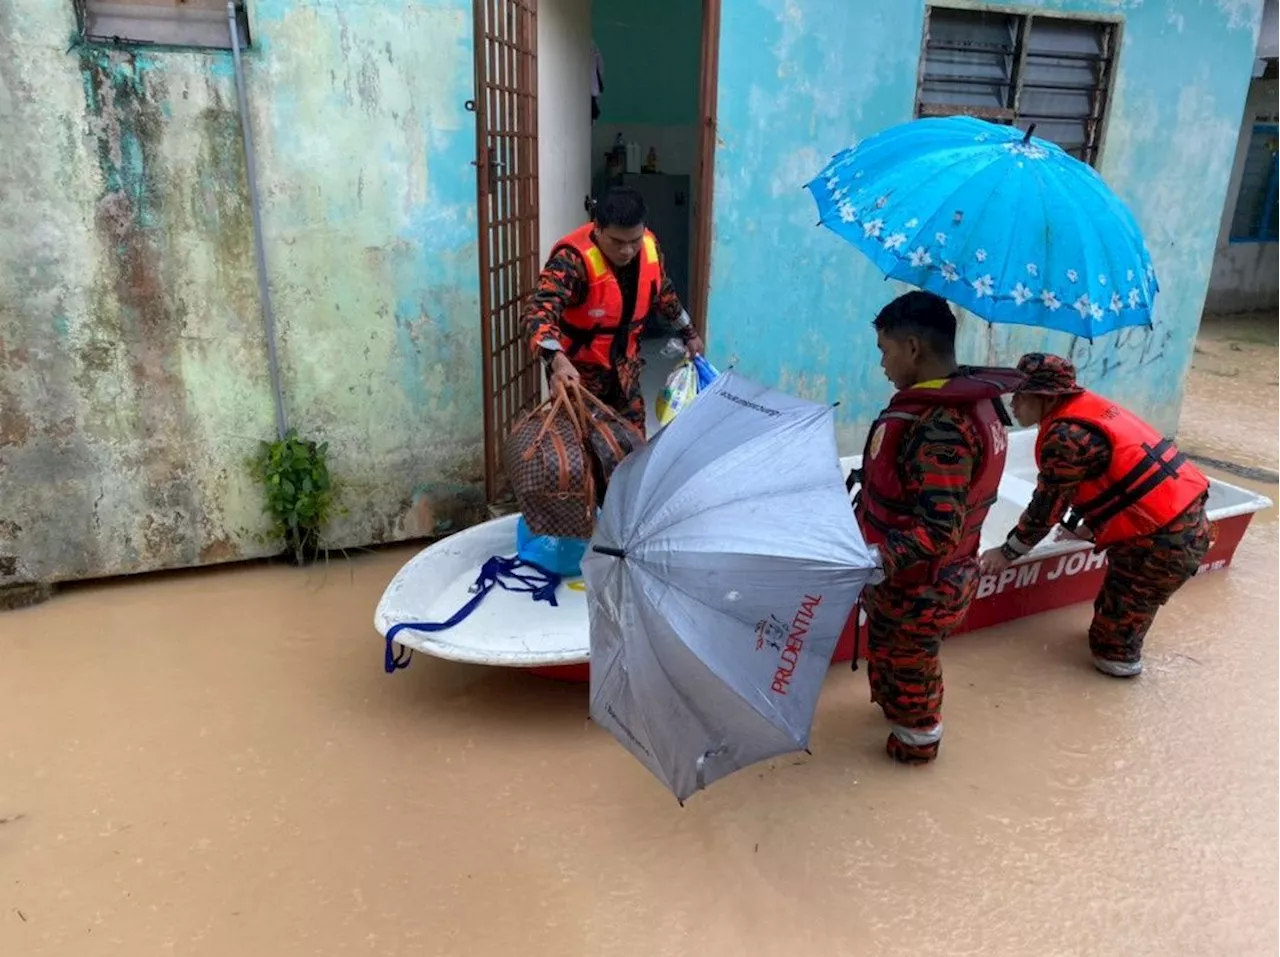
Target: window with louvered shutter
<point>1020,69</point>
<point>172,23</point>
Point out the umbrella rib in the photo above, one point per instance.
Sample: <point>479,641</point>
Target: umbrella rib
<point>816,486</point>
<point>950,198</point>
<point>702,664</point>
<point>1008,247</point>
<point>994,188</point>
<point>967,157</point>
<point>1130,231</point>
<point>775,716</point>
<point>640,714</point>
<point>691,448</point>
<point>1086,270</point>
<point>1044,267</point>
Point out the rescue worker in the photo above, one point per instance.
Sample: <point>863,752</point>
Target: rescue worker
<point>593,298</point>
<point>1108,476</point>
<point>930,473</point>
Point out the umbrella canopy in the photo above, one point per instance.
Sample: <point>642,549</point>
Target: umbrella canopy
<point>725,563</point>
<point>1004,224</point>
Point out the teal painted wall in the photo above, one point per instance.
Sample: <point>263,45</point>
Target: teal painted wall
<point>133,378</point>
<point>651,51</point>
<point>801,79</point>
<point>133,375</point>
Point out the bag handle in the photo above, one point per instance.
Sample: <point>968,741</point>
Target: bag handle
<point>581,393</point>
<point>599,428</point>
<point>559,401</point>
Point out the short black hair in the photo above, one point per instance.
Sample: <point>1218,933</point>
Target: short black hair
<point>924,315</point>
<point>620,206</point>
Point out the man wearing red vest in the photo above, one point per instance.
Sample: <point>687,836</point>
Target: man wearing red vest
<point>930,473</point>
<point>1126,487</point>
<point>593,298</point>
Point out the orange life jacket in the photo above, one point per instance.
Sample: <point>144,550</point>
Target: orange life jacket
<point>884,504</point>
<point>587,331</point>
<point>1148,484</point>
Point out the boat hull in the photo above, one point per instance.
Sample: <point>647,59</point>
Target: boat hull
<point>510,630</point>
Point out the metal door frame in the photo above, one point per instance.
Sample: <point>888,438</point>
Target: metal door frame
<point>709,87</point>
<point>506,108</point>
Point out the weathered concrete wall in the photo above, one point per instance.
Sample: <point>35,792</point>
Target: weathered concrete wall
<point>133,378</point>
<point>802,79</point>
<point>1246,276</point>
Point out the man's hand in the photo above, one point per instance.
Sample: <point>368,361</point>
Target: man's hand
<point>693,345</point>
<point>994,561</point>
<point>563,372</point>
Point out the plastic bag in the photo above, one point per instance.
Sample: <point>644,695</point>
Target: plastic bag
<point>563,556</point>
<point>687,379</point>
<point>707,373</point>
<point>680,390</point>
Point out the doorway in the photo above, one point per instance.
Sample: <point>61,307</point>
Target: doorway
<point>560,85</point>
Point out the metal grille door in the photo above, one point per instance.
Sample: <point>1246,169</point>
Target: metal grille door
<point>506,105</point>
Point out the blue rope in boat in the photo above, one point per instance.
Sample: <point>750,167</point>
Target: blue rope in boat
<point>503,572</point>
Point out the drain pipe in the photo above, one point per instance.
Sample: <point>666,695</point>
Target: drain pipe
<point>251,175</point>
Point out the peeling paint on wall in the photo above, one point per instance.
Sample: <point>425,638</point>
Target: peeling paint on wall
<point>803,79</point>
<point>133,380</point>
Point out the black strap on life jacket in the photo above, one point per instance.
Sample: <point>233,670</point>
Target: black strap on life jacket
<point>1152,470</point>
<point>579,338</point>
<point>1002,413</point>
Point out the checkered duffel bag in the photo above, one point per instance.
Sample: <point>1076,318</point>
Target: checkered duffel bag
<point>559,458</point>
<point>550,471</point>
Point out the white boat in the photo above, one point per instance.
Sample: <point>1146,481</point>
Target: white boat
<point>510,629</point>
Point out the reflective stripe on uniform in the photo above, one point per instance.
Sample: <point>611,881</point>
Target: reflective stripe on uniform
<point>1118,669</point>
<point>650,250</point>
<point>595,262</point>
<point>917,737</point>
<point>1016,545</point>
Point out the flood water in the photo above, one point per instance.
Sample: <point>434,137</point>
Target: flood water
<point>1232,409</point>
<point>213,763</point>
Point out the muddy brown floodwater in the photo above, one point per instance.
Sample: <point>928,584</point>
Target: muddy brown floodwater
<point>1232,411</point>
<point>214,764</point>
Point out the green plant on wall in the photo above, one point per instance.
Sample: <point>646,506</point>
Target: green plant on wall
<point>294,473</point>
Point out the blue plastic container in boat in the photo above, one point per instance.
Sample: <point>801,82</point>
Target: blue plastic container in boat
<point>560,555</point>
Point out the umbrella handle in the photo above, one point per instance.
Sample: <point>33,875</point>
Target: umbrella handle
<point>607,550</point>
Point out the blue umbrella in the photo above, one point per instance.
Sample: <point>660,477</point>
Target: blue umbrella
<point>1004,224</point>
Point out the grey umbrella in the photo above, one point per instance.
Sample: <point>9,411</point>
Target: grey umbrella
<point>725,563</point>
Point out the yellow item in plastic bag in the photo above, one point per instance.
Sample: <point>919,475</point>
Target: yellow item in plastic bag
<point>680,390</point>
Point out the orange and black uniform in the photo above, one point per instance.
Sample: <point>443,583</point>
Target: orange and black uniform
<point>595,312</point>
<point>1102,467</point>
<point>930,473</point>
